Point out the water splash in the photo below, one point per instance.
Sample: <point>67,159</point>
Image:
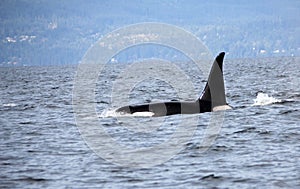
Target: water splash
<point>264,99</point>
<point>113,113</point>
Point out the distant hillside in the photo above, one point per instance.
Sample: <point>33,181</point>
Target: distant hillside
<point>43,32</point>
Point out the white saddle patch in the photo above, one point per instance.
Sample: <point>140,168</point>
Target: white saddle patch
<point>221,108</point>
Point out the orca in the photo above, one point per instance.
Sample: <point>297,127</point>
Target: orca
<point>212,98</point>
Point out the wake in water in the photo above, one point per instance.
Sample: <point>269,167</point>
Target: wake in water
<point>263,99</point>
<point>113,113</point>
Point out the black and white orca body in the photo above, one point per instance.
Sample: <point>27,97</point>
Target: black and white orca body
<point>212,98</point>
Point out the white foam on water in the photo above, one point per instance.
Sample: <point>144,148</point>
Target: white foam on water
<point>9,105</point>
<point>113,113</point>
<point>263,99</point>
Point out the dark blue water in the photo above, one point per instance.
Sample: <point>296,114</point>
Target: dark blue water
<point>257,146</point>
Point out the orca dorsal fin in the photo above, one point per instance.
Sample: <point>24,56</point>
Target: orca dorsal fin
<point>214,90</point>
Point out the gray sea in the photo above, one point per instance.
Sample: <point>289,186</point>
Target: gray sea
<point>257,146</point>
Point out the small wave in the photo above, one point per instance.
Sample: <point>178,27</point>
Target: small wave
<point>264,99</point>
<point>113,113</point>
<point>210,177</point>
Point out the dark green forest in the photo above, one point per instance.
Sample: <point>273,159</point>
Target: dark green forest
<point>41,32</point>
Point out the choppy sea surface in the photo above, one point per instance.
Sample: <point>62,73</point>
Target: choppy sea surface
<point>258,144</point>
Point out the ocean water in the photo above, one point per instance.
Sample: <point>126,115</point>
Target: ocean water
<point>258,144</point>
